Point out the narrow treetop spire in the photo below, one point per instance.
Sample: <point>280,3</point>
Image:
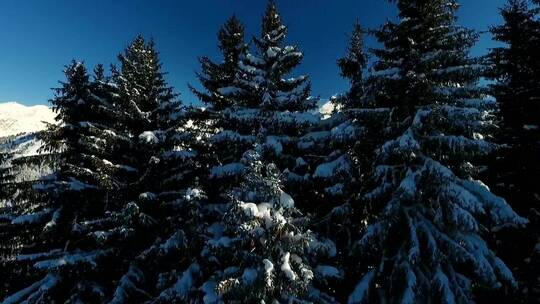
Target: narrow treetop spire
<point>273,29</point>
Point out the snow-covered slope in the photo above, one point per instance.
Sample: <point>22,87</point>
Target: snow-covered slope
<point>21,145</point>
<point>16,118</point>
<point>19,127</point>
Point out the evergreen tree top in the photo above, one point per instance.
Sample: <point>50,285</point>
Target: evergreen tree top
<point>423,55</point>
<point>514,61</point>
<point>141,77</point>
<point>220,79</point>
<point>356,59</point>
<point>516,14</point>
<point>420,22</point>
<point>99,73</point>
<point>231,42</point>
<point>141,60</point>
<point>72,91</point>
<point>273,29</point>
<point>353,64</point>
<point>231,38</point>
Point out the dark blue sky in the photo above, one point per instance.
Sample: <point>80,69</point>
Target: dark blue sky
<point>39,37</point>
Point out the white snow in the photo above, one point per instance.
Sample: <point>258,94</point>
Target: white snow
<point>272,52</point>
<point>531,127</point>
<point>328,170</point>
<point>148,137</point>
<point>250,209</point>
<point>268,271</point>
<point>71,259</point>
<point>223,241</point>
<point>31,218</point>
<point>274,143</point>
<point>227,91</point>
<point>286,267</point>
<point>231,169</point>
<point>16,118</point>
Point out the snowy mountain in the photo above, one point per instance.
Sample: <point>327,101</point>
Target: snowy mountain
<point>19,127</point>
<point>16,118</point>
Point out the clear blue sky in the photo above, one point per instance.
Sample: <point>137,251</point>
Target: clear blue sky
<point>39,37</point>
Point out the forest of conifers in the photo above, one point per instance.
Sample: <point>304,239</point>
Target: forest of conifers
<point>421,186</point>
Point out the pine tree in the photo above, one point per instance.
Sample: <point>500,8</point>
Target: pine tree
<point>224,94</point>
<point>53,259</point>
<point>515,70</point>
<point>220,80</point>
<point>260,249</point>
<point>124,156</point>
<point>352,67</point>
<point>266,71</point>
<point>336,177</point>
<point>427,214</point>
<point>282,105</point>
<point>260,98</point>
<point>5,202</point>
<point>336,173</point>
<point>160,209</point>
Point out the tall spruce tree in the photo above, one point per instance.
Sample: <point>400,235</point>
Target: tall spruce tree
<point>515,67</point>
<point>515,70</point>
<point>336,172</point>
<point>137,202</point>
<point>423,241</point>
<point>282,104</point>
<point>353,66</point>
<point>159,210</point>
<point>6,182</point>
<point>220,80</point>
<point>225,137</point>
<point>53,260</point>
<point>260,98</point>
<point>5,174</point>
<point>336,176</point>
<point>266,70</point>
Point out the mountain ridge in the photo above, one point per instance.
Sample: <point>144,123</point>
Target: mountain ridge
<point>16,118</point>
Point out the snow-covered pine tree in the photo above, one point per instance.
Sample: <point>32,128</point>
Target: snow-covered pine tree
<point>266,70</point>
<point>220,80</point>
<point>280,104</point>
<point>227,139</point>
<point>53,261</point>
<point>157,214</point>
<point>427,214</point>
<point>353,66</point>
<point>260,249</point>
<point>336,177</point>
<point>514,67</point>
<point>338,134</point>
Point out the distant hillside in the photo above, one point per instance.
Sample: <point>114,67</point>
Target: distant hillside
<point>16,118</point>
